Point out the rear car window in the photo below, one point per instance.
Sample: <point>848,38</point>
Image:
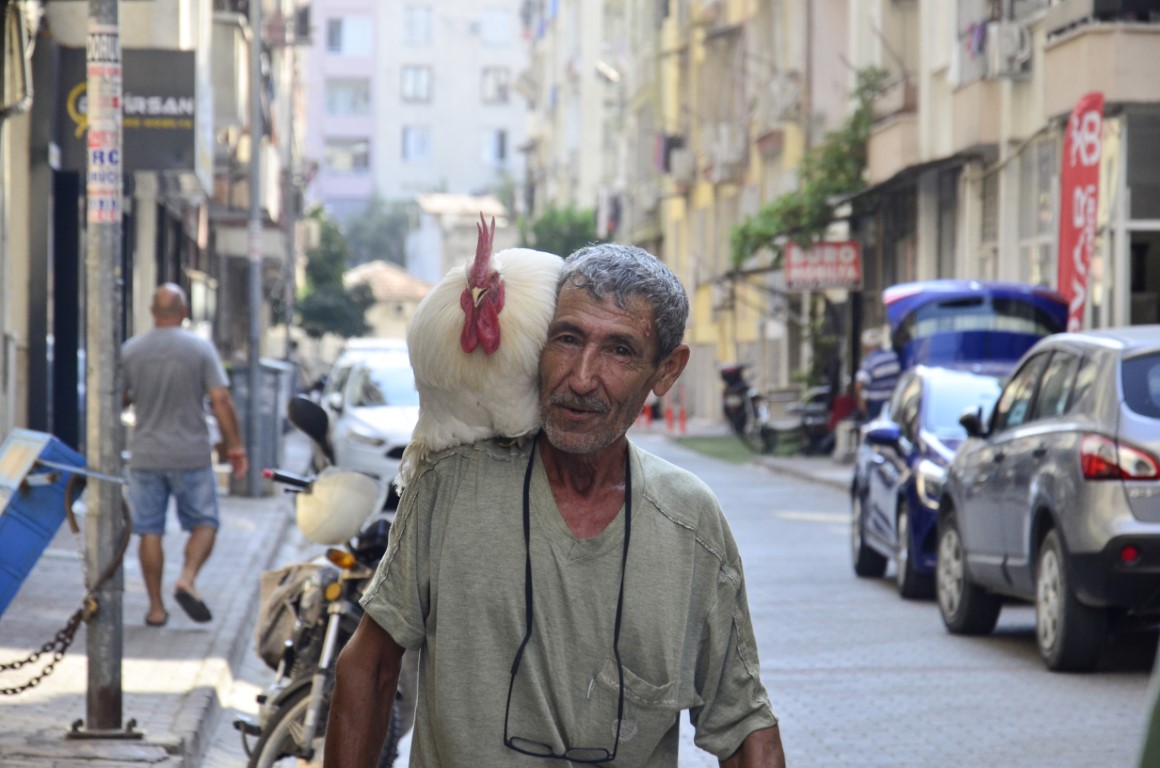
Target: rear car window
<point>1141,377</point>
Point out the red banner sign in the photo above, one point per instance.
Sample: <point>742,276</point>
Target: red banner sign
<point>1079,196</point>
<point>824,265</point>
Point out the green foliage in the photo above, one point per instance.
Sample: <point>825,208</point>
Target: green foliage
<point>560,230</point>
<point>326,306</point>
<point>833,168</point>
<point>379,231</point>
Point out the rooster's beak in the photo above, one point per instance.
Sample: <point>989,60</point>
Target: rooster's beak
<point>476,295</point>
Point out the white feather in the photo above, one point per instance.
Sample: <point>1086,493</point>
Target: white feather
<point>468,397</point>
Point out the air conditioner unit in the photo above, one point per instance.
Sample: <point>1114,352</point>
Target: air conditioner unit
<point>1009,49</point>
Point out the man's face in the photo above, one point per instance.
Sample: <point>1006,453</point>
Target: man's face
<point>596,370</point>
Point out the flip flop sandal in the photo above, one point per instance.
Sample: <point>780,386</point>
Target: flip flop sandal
<point>150,623</point>
<point>196,609</point>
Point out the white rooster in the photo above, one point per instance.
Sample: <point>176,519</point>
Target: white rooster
<point>475,344</point>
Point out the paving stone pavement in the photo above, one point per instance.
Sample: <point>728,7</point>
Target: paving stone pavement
<point>171,677</point>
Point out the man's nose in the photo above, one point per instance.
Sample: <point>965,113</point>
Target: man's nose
<point>585,370</point>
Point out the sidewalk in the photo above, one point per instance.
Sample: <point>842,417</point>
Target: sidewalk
<point>817,469</point>
<point>172,677</point>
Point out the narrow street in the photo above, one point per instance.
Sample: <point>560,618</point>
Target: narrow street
<point>860,677</point>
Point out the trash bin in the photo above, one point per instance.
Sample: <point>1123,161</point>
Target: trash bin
<point>273,398</point>
<point>31,502</point>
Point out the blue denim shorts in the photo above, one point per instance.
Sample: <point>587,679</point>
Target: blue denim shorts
<point>194,490</point>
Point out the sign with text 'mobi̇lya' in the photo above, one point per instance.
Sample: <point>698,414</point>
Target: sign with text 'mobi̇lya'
<point>825,265</point>
<point>1078,199</point>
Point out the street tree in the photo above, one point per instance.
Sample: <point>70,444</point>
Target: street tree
<point>379,231</point>
<point>560,230</point>
<point>327,306</point>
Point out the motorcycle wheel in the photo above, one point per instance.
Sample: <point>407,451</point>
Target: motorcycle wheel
<point>281,740</point>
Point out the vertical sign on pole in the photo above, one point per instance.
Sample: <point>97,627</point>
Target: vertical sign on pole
<point>1079,196</point>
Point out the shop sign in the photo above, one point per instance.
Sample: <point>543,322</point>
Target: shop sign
<point>825,265</point>
<point>158,110</point>
<point>1079,202</point>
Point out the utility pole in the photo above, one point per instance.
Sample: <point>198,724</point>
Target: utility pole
<point>103,190</point>
<point>254,478</point>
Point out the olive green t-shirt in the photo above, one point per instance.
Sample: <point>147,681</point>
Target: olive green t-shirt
<point>452,583</point>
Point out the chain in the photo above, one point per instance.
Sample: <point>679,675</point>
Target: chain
<point>89,608</point>
<point>60,643</point>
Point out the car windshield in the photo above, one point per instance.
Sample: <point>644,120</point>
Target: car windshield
<point>385,386</point>
<point>946,400</point>
<point>1141,376</point>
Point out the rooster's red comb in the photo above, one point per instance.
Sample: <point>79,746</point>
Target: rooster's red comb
<point>477,273</point>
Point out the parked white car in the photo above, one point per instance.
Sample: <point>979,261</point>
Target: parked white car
<point>373,407</point>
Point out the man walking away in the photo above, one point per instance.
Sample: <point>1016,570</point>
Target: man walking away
<point>169,371</point>
<point>877,375</point>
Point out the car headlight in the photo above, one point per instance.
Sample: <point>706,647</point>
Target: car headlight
<point>928,480</point>
<point>361,437</point>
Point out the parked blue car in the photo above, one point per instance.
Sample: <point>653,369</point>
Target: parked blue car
<point>955,340</point>
<point>900,468</point>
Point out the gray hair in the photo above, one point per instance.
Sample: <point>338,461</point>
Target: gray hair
<point>624,272</point>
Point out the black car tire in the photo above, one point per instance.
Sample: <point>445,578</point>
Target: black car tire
<point>867,562</point>
<point>966,608</point>
<point>1070,635</point>
<point>912,585</point>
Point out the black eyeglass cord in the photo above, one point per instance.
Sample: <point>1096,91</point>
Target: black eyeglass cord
<point>620,597</point>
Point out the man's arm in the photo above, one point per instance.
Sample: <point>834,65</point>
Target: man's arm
<point>366,677</point>
<point>761,749</point>
<point>227,418</point>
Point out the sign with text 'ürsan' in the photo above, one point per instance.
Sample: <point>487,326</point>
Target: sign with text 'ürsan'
<point>825,265</point>
<point>157,101</point>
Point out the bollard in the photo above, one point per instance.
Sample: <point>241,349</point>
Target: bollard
<point>681,407</point>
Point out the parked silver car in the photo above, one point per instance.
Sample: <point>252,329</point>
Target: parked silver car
<point>1057,499</point>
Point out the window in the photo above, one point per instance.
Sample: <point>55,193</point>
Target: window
<point>495,27</point>
<point>348,155</point>
<point>416,143</point>
<point>1015,403</point>
<point>494,86</point>
<point>1141,378</point>
<point>417,25</point>
<point>417,84</point>
<point>348,96</point>
<point>349,36</point>
<point>1055,391</point>
<point>495,147</point>
<point>1037,183</point>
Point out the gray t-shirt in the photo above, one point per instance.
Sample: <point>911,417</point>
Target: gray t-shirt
<point>168,374</point>
<point>452,583</point>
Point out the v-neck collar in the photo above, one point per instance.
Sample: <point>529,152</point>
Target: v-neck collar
<point>550,523</point>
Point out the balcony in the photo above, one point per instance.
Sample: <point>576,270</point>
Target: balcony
<point>893,147</point>
<point>1118,59</point>
<point>975,108</point>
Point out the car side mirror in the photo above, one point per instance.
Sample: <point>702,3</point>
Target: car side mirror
<point>972,422</point>
<point>334,400</point>
<point>886,435</point>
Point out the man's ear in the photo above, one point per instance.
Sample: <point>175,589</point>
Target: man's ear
<point>670,369</point>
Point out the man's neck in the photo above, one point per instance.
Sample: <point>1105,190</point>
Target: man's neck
<point>588,489</point>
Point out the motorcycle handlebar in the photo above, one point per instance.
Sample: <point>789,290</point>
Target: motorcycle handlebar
<point>292,479</point>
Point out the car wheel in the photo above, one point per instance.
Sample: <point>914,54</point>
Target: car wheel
<point>1070,634</point>
<point>911,584</point>
<point>867,562</point>
<point>966,608</point>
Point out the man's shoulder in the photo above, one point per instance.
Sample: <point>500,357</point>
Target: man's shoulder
<point>677,493</point>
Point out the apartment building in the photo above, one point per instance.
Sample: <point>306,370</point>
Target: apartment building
<point>413,98</point>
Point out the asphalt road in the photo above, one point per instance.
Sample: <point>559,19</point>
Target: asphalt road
<point>860,677</point>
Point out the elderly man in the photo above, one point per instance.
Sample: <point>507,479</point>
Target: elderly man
<point>571,594</point>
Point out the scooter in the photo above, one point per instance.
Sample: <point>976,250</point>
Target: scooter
<point>746,410</point>
<point>310,610</point>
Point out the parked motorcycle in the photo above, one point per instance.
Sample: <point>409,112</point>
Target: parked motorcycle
<point>310,610</point>
<point>745,410</point>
